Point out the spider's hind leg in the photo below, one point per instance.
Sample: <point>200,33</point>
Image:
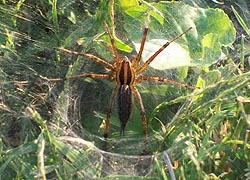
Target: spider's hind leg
<point>142,110</point>
<point>111,102</point>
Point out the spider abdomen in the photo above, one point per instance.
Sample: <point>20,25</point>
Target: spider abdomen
<point>124,102</point>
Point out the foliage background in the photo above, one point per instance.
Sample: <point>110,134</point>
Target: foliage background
<point>47,128</point>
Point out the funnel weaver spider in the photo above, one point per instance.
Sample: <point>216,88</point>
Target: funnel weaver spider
<point>125,73</point>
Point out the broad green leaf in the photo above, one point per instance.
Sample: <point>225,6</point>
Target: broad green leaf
<point>121,45</point>
<point>201,46</point>
<point>173,56</point>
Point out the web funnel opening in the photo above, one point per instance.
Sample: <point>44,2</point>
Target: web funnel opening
<point>119,155</point>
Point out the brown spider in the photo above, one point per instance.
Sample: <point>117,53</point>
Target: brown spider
<point>125,73</point>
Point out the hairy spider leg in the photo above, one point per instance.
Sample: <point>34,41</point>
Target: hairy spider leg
<point>144,37</point>
<point>112,16</point>
<point>145,65</point>
<point>111,102</point>
<point>142,110</point>
<point>159,79</point>
<point>89,56</point>
<point>112,41</point>
<point>93,76</point>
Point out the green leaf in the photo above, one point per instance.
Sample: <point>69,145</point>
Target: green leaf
<point>125,4</point>
<point>140,12</point>
<point>201,46</point>
<point>118,44</point>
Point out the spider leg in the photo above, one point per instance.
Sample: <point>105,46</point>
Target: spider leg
<point>89,56</point>
<point>93,76</point>
<point>143,116</point>
<point>112,16</point>
<point>145,65</point>
<point>159,79</point>
<point>111,102</point>
<point>144,37</point>
<point>112,41</point>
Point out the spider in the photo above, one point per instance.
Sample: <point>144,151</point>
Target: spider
<point>125,73</point>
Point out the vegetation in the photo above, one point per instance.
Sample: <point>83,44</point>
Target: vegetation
<point>54,130</point>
